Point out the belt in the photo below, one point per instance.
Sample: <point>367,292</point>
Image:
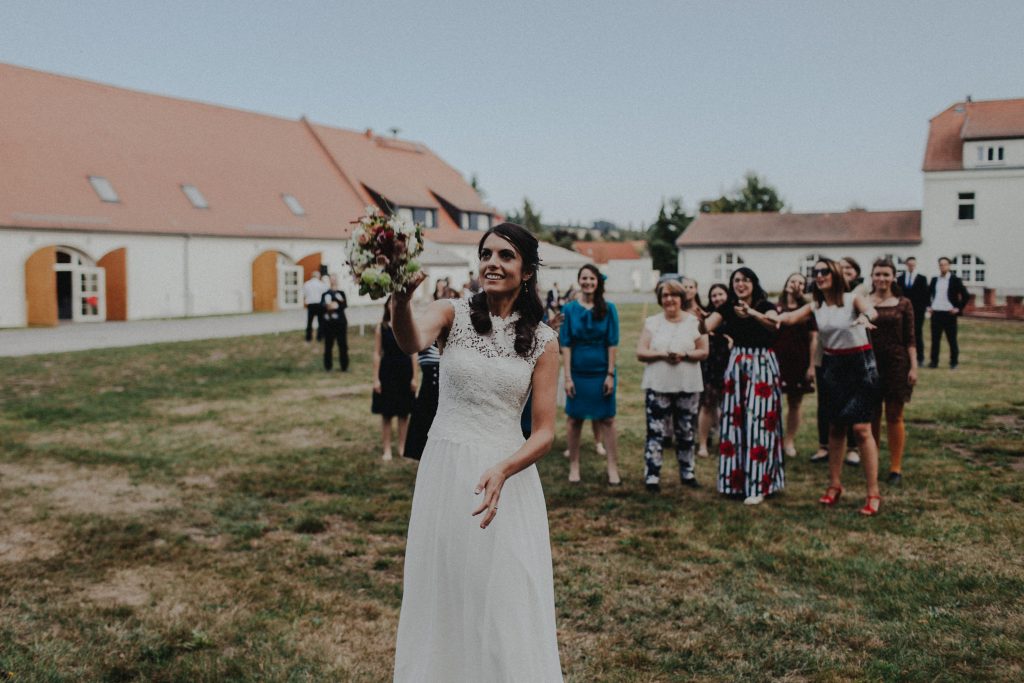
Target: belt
<point>848,352</point>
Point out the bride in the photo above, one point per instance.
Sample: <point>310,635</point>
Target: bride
<point>478,601</point>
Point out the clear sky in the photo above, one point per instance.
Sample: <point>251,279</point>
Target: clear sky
<point>592,109</point>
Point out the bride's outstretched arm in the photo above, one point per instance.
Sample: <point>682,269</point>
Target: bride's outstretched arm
<point>545,383</point>
<point>415,333</point>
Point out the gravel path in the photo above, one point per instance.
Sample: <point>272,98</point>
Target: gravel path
<point>84,336</point>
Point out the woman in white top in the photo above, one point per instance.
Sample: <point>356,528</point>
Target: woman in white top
<point>849,375</point>
<point>672,347</point>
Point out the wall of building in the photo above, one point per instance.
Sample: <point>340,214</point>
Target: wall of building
<point>632,275</point>
<point>996,234</point>
<point>167,276</point>
<point>774,264</point>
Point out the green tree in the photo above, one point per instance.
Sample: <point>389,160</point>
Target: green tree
<point>663,233</point>
<point>754,195</point>
<point>528,218</point>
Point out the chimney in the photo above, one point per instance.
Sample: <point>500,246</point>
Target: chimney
<point>969,100</point>
<point>369,133</point>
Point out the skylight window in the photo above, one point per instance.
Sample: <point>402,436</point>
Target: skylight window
<point>195,196</point>
<point>293,204</point>
<point>104,189</point>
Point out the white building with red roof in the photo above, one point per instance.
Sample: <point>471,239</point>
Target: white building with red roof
<point>973,209</point>
<point>972,212</point>
<point>120,205</point>
<point>775,245</point>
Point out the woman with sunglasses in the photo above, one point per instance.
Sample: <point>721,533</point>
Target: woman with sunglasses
<point>750,442</point>
<point>849,375</point>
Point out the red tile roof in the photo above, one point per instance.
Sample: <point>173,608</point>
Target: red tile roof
<point>602,252</point>
<point>781,229</point>
<point>405,174</point>
<point>57,131</point>
<point>990,120</point>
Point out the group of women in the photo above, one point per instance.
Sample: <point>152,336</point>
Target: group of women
<point>738,362</point>
<point>478,595</point>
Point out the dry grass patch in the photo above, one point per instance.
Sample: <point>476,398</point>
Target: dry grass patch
<point>63,487</point>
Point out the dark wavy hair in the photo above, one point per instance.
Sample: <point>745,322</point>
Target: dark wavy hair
<point>756,296</point>
<point>600,306</point>
<point>711,289</point>
<point>528,303</point>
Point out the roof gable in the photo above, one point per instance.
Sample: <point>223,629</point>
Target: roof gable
<point>993,119</point>
<point>603,252</point>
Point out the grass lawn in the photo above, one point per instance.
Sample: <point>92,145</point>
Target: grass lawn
<point>214,511</point>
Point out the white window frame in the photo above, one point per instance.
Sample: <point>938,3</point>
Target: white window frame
<point>807,267</point>
<point>971,268</point>
<point>964,199</point>
<point>725,263</point>
<point>289,283</point>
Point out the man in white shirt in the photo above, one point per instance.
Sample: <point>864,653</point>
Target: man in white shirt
<point>312,291</point>
<point>948,298</point>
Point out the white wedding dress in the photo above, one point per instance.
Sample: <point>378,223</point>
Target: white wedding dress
<point>478,604</point>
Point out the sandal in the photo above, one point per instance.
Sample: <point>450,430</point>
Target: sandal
<point>830,498</point>
<point>868,510</point>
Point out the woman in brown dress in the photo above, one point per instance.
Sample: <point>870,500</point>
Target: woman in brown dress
<point>793,349</point>
<point>896,355</point>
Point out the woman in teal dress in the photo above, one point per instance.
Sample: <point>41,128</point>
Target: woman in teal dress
<point>589,337</point>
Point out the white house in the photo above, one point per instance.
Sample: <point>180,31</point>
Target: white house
<point>775,245</point>
<point>121,205</point>
<point>973,209</point>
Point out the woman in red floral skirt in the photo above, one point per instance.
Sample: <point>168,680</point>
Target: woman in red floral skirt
<point>750,444</point>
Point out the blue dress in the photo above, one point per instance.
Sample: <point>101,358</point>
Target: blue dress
<point>589,340</point>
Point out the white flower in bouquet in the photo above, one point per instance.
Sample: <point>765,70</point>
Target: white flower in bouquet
<point>382,253</point>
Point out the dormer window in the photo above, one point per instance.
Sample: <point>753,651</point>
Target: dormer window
<point>475,221</point>
<point>991,154</point>
<point>293,204</point>
<point>195,196</point>
<point>104,190</point>
<point>426,217</point>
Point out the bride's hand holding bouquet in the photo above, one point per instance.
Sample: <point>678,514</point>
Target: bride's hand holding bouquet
<point>382,254</point>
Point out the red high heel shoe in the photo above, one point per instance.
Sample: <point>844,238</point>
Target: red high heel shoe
<point>868,510</point>
<point>832,496</point>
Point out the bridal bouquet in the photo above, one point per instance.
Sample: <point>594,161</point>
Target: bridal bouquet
<point>382,253</point>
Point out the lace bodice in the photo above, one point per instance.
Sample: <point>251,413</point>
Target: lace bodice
<point>484,383</point>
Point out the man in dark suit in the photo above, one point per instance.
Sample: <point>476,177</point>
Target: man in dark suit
<point>915,287</point>
<point>948,298</point>
<point>334,304</point>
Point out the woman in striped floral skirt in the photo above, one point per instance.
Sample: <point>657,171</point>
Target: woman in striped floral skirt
<point>750,444</point>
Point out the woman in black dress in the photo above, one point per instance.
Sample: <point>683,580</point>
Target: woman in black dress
<point>394,386</point>
<point>713,370</point>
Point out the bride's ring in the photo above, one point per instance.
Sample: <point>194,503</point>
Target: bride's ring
<point>494,507</point>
